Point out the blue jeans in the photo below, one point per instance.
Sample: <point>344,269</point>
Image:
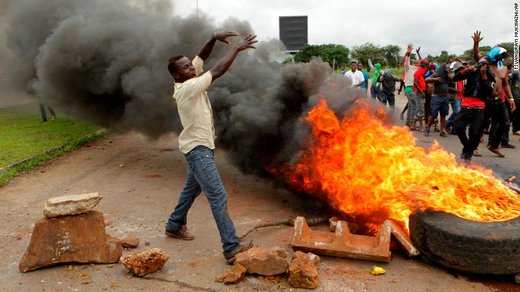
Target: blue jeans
<point>412,109</point>
<point>455,108</point>
<point>203,176</point>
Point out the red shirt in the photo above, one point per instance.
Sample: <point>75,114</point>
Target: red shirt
<point>419,74</point>
<point>460,88</point>
<point>470,101</point>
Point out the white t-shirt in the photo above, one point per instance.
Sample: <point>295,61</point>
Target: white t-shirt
<point>195,110</point>
<point>356,77</point>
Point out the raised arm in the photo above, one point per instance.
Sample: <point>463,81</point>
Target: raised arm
<point>406,59</point>
<point>418,52</point>
<point>371,65</point>
<point>476,40</point>
<point>223,64</point>
<point>206,49</point>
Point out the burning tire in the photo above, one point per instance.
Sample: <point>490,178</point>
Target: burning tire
<point>468,246</point>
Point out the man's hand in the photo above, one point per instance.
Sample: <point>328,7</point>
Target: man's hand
<point>225,62</point>
<point>247,43</point>
<point>409,48</point>
<point>476,37</point>
<point>223,35</point>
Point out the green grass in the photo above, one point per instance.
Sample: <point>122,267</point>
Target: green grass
<point>26,142</point>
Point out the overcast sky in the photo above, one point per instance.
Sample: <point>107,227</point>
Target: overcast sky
<point>433,25</point>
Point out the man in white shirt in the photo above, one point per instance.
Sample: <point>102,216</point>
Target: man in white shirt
<point>197,141</point>
<point>355,75</point>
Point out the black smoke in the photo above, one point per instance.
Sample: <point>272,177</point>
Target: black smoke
<point>105,61</point>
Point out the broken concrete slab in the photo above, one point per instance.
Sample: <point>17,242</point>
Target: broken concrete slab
<point>234,275</point>
<point>342,243</point>
<point>303,270</point>
<point>70,205</point>
<point>264,261</point>
<point>144,263</point>
<point>403,238</point>
<point>70,239</point>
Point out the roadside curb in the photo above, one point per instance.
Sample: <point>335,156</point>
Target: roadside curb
<point>78,142</point>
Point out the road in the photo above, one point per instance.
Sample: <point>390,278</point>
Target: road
<point>140,181</point>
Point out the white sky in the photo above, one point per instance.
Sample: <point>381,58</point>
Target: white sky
<point>433,25</point>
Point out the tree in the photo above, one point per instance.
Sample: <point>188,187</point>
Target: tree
<point>391,54</point>
<point>367,51</point>
<point>331,53</point>
<point>468,54</point>
<point>509,46</point>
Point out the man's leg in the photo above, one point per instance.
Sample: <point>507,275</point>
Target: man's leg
<point>499,119</point>
<point>179,216</point>
<point>461,122</point>
<point>206,173</point>
<point>505,139</point>
<point>412,110</point>
<point>419,102</point>
<point>444,111</point>
<point>383,98</point>
<point>455,108</point>
<point>390,97</point>
<point>43,113</point>
<point>476,128</point>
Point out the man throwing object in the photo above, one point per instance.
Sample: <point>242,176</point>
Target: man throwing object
<point>197,138</point>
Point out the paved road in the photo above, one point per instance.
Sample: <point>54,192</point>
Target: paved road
<point>140,181</point>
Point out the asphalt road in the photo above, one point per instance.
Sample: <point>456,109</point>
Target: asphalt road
<point>140,181</point>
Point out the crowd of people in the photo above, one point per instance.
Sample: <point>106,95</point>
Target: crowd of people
<point>483,94</point>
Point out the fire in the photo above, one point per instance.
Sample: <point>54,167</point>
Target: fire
<point>372,171</point>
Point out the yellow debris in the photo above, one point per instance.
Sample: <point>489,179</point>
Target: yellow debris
<point>377,270</point>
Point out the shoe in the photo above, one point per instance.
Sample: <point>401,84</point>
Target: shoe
<point>231,256</point>
<point>427,132</point>
<point>443,134</point>
<point>477,154</point>
<point>507,146</point>
<point>436,129</point>
<point>496,151</point>
<point>179,234</point>
<point>53,117</point>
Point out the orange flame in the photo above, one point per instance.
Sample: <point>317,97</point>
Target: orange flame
<point>369,170</point>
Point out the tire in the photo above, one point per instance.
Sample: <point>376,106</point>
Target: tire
<point>467,246</point>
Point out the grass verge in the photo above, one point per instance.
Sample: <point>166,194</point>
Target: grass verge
<point>27,142</point>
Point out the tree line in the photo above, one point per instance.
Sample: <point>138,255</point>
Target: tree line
<point>388,56</point>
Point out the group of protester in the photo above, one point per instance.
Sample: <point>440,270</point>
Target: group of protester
<point>483,93</point>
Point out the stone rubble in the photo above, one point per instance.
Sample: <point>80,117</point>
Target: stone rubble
<point>233,275</point>
<point>70,205</point>
<point>264,261</point>
<point>130,242</point>
<point>303,270</point>
<point>70,239</point>
<point>144,263</point>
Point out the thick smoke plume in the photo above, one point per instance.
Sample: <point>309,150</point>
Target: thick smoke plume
<point>105,61</point>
